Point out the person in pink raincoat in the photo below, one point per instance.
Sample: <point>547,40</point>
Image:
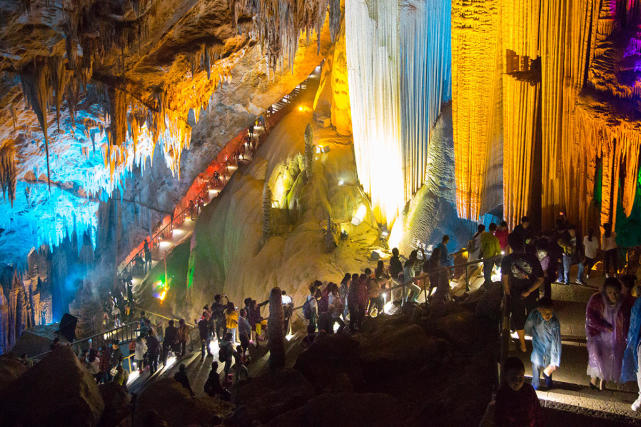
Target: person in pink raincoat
<point>607,319</point>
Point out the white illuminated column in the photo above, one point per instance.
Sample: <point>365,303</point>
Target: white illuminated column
<point>373,56</point>
<point>399,74</point>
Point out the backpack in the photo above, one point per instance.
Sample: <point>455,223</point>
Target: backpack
<point>307,310</point>
<point>323,303</point>
<point>222,354</point>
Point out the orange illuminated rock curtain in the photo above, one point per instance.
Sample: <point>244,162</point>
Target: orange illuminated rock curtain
<point>574,134</point>
<point>475,95</point>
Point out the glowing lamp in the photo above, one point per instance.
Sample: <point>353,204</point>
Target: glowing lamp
<point>275,204</point>
<point>164,244</point>
<point>340,182</point>
<point>360,215</point>
<point>300,108</point>
<point>178,232</point>
<point>502,252</point>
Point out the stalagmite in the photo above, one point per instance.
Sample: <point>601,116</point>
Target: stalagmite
<point>391,112</point>
<point>275,327</point>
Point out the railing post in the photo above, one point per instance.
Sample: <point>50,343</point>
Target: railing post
<point>467,279</point>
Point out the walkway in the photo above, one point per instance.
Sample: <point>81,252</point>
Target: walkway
<point>174,231</point>
<point>571,391</point>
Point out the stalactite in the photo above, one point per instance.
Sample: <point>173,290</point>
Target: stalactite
<point>475,95</point>
<point>309,151</point>
<point>37,91</point>
<point>566,30</point>
<point>8,171</point>
<point>521,91</point>
<point>425,80</point>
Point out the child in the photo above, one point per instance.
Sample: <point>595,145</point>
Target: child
<point>545,330</point>
<point>241,369</point>
<point>516,402</point>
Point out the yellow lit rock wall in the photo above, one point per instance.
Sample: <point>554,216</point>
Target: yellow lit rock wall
<point>521,105</point>
<point>567,26</point>
<point>475,97</point>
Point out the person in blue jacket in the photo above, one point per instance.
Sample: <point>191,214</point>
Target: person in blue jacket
<point>545,330</point>
<point>630,365</point>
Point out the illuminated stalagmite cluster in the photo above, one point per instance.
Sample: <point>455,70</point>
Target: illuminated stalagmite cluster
<point>397,82</point>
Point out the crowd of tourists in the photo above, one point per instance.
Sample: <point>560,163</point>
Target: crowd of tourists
<point>613,318</point>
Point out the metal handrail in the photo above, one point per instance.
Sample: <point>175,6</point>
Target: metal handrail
<point>90,338</point>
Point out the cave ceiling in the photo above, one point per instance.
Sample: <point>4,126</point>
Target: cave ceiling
<point>90,88</point>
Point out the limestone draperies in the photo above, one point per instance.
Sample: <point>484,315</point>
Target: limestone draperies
<point>398,80</point>
<point>567,26</point>
<point>521,97</point>
<point>475,96</point>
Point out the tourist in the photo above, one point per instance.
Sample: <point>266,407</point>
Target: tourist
<point>256,319</point>
<point>240,367</point>
<point>218,316</point>
<point>409,273</point>
<point>153,352</point>
<point>212,386</point>
<point>611,250</point>
<point>93,365</point>
<point>203,332</point>
<point>226,352</point>
<point>324,318</point>
<point>501,233</point>
<point>342,292</point>
<point>522,277</point>
<point>116,355</point>
<point>444,255</point>
<point>629,287</point>
<point>516,402</point>
<point>139,353</point>
<point>630,366</point>
<point>545,330</point>
<point>568,244</point>
<point>336,307</point>
<point>288,310</point>
<point>105,368</point>
<point>183,336</point>
<point>121,377</point>
<point>170,341</point>
<point>548,265</point>
<point>523,231</point>
<point>474,245</point>
<point>374,293</point>
<point>395,265</point>
<point>356,303</point>
<point>590,252</point>
<point>147,256</point>
<point>181,377</point>
<point>607,319</point>
<point>310,306</point>
<point>490,251</point>
<point>244,330</point>
<point>231,319</point>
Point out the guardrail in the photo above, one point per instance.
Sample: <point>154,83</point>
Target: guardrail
<point>121,333</point>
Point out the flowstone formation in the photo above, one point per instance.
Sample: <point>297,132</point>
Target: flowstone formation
<point>397,82</point>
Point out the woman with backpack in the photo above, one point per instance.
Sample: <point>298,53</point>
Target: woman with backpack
<point>310,306</point>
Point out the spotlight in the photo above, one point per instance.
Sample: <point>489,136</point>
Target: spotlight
<point>340,182</point>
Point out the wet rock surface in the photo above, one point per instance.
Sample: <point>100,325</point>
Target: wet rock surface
<point>437,370</point>
<point>166,402</point>
<point>56,389</point>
